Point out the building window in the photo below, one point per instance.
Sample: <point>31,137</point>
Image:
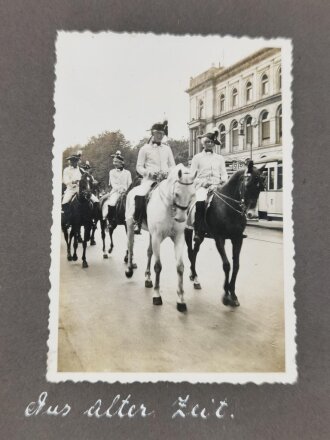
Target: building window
<point>234,98</point>
<point>271,178</point>
<point>248,92</point>
<point>279,79</point>
<point>279,177</point>
<point>222,103</point>
<point>279,124</point>
<point>264,85</point>
<point>249,131</point>
<point>201,109</point>
<point>234,135</point>
<point>265,126</point>
<point>222,131</point>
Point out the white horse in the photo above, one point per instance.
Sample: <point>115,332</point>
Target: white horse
<point>166,216</point>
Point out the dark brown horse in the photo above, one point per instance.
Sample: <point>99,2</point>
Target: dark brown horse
<point>225,219</point>
<point>80,214</point>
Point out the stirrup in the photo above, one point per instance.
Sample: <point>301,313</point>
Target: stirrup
<point>137,228</point>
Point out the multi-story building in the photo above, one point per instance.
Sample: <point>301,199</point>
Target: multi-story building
<point>244,102</point>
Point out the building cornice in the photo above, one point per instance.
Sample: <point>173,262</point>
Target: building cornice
<point>236,68</point>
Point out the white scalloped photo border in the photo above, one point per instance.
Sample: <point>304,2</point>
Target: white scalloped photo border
<point>290,375</point>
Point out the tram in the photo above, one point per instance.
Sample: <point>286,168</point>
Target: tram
<point>270,203</point>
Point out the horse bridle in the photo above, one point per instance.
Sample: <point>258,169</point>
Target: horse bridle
<point>176,205</point>
<point>241,202</point>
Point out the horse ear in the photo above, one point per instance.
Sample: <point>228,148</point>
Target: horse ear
<point>180,173</point>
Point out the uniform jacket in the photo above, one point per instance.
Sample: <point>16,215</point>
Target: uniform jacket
<point>119,180</point>
<point>211,168</point>
<point>71,174</point>
<point>153,158</point>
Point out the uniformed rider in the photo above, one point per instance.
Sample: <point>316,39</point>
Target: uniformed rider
<point>119,181</point>
<point>211,171</point>
<point>154,162</point>
<point>71,177</point>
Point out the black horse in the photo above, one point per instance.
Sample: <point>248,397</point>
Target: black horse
<point>225,219</point>
<point>111,222</point>
<point>81,213</point>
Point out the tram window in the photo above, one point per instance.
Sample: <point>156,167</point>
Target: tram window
<point>279,177</point>
<point>271,178</point>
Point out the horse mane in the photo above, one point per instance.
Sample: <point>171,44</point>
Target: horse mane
<point>231,186</point>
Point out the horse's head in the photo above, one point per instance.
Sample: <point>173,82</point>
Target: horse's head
<point>183,190</point>
<point>252,184</point>
<point>85,186</point>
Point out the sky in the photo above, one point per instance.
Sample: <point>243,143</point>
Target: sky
<point>128,81</point>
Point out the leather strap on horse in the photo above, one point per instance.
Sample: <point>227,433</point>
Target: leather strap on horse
<point>222,198</point>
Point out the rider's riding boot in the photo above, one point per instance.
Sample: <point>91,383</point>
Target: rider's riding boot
<point>138,214</point>
<point>199,222</point>
<point>66,214</point>
<point>112,215</point>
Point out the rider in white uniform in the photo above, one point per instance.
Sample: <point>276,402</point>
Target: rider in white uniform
<point>119,181</point>
<point>154,162</point>
<point>71,177</point>
<point>211,171</point>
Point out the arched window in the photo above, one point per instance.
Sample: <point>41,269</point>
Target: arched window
<point>248,132</point>
<point>248,94</point>
<point>222,103</point>
<point>234,135</point>
<point>265,126</point>
<point>279,78</point>
<point>201,109</point>
<point>264,85</point>
<point>279,124</point>
<point>234,98</point>
<point>222,131</point>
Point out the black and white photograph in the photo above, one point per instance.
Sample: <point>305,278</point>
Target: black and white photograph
<point>172,252</point>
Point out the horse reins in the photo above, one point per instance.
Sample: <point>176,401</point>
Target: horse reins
<point>241,203</point>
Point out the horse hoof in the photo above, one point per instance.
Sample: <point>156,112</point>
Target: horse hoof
<point>228,301</point>
<point>157,301</point>
<point>129,273</point>
<point>191,278</point>
<point>197,286</point>
<point>148,283</point>
<point>110,250</point>
<point>93,242</point>
<point>74,258</point>
<point>181,307</point>
<point>84,264</point>
<point>134,266</point>
<point>69,258</point>
<point>105,256</point>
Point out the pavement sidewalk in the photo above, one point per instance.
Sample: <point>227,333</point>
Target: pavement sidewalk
<point>268,224</point>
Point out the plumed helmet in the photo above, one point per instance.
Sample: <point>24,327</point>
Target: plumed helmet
<point>159,126</point>
<point>212,135</point>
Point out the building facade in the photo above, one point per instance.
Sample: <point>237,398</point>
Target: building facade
<point>244,102</point>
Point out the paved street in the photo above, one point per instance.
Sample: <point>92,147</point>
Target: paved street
<point>109,324</point>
